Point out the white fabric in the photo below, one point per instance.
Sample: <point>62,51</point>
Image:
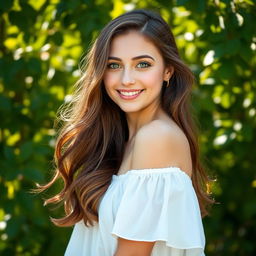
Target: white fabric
<point>157,204</point>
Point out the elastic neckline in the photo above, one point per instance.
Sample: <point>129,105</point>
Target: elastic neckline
<point>150,171</point>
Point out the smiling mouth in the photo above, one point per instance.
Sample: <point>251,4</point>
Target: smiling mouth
<point>130,93</point>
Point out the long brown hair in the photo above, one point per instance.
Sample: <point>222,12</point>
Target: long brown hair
<point>90,145</point>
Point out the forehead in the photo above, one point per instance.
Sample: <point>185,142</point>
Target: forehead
<point>133,44</point>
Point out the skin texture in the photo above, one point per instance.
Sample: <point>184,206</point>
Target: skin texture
<point>129,73</point>
<point>158,141</point>
<point>133,248</point>
<point>164,148</point>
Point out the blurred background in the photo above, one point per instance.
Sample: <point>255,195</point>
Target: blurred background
<point>41,45</point>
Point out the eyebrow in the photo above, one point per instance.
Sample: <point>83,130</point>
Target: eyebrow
<point>134,58</point>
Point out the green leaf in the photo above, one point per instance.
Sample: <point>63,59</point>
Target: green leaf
<point>33,174</point>
<point>14,226</point>
<point>6,5</point>
<point>26,150</point>
<point>9,153</point>
<point>57,38</point>
<point>5,104</point>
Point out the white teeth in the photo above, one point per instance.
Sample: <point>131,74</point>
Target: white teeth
<point>130,93</point>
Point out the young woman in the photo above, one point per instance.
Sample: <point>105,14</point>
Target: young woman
<point>128,153</point>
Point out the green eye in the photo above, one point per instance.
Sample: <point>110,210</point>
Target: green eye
<point>113,65</point>
<point>143,65</point>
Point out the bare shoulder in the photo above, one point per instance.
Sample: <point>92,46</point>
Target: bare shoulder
<point>161,128</point>
<point>161,144</point>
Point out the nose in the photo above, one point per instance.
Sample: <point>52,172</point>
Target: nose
<point>127,77</point>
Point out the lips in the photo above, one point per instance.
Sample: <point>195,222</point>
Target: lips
<point>132,90</point>
<point>129,94</point>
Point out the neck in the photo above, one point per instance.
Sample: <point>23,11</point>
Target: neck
<point>136,120</point>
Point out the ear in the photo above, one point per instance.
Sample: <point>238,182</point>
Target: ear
<point>168,72</point>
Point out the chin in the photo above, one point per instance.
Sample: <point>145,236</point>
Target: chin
<point>129,110</point>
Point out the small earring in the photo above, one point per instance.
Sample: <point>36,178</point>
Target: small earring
<point>168,83</point>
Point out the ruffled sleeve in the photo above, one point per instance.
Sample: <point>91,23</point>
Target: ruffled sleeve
<point>161,205</point>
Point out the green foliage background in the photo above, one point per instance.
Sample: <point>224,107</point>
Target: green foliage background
<point>41,44</point>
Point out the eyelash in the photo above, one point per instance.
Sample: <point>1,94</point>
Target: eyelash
<point>144,63</point>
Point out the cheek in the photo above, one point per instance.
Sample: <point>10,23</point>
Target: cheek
<point>152,78</point>
<point>110,79</point>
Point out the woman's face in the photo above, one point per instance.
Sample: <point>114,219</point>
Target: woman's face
<point>136,68</point>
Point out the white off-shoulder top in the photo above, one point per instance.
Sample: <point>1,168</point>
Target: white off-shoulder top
<point>157,204</point>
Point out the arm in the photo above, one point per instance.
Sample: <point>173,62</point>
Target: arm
<point>133,248</point>
<point>156,145</point>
